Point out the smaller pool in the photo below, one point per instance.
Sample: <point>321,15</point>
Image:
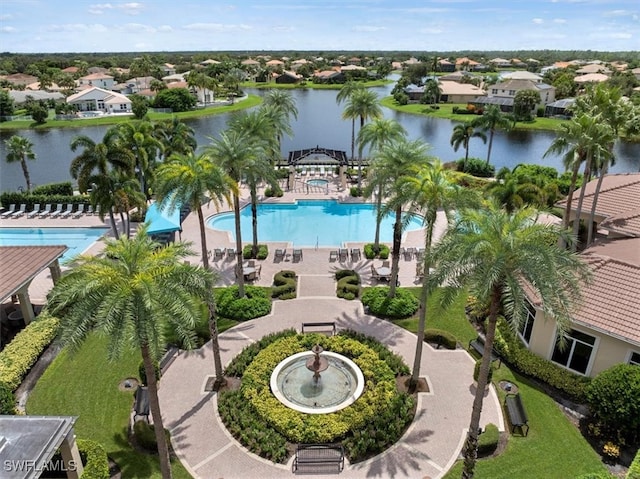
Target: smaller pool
<point>78,240</point>
<point>318,182</point>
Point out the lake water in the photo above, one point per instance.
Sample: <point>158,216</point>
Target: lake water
<point>319,123</point>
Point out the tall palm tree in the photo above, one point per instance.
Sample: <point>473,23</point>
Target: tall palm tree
<point>285,107</point>
<point>492,253</point>
<point>462,134</point>
<point>513,191</point>
<point>98,158</point>
<point>431,91</point>
<point>347,90</point>
<point>393,163</point>
<point>362,104</point>
<point>233,152</point>
<point>375,135</point>
<point>430,189</point>
<point>176,137</point>
<point>187,179</point>
<point>132,295</point>
<point>20,149</point>
<point>491,120</point>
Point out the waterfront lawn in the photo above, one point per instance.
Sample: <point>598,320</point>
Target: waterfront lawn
<point>86,385</point>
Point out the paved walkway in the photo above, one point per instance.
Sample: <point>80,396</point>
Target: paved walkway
<point>427,449</point>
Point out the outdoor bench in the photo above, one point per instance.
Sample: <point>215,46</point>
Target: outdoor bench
<point>141,405</point>
<point>478,346</point>
<point>326,327</point>
<point>319,455</point>
<point>517,414</point>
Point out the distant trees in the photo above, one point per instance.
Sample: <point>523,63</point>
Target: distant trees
<point>523,104</point>
<point>178,99</point>
<point>6,105</point>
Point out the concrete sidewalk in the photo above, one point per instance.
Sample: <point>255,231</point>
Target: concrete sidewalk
<point>427,449</point>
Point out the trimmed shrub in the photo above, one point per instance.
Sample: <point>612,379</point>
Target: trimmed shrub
<point>476,167</point>
<point>614,401</point>
<point>393,360</point>
<point>263,252</point>
<point>256,303</point>
<point>238,364</point>
<point>355,191</point>
<point>22,353</point>
<point>370,253</point>
<point>7,400</point>
<point>64,188</point>
<point>441,338</point>
<point>270,192</point>
<point>143,375</point>
<point>146,436</point>
<point>348,286</point>
<point>634,468</point>
<point>285,285</point>
<point>377,300</point>
<point>30,200</point>
<point>95,460</point>
<point>488,440</point>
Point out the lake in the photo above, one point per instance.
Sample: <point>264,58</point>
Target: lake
<point>319,123</point>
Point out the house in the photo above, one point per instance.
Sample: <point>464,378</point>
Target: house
<point>250,63</point>
<point>593,68</point>
<point>605,328</point>
<point>446,66</point>
<point>458,76</point>
<point>167,69</point>
<point>329,76</point>
<point>99,99</point>
<point>522,75</point>
<point>275,64</point>
<point>636,73</point>
<point>133,85</point>
<point>465,63</point>
<point>204,63</point>
<point>204,96</point>
<point>500,62</point>
<point>454,92</point>
<point>414,92</point>
<point>175,77</point>
<point>100,80</point>
<point>70,70</point>
<point>590,78</point>
<point>507,91</point>
<point>19,97</point>
<point>560,108</point>
<point>20,79</point>
<point>354,61</point>
<point>288,77</point>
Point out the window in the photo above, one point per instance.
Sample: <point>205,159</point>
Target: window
<point>512,93</point>
<point>494,91</point>
<point>123,106</point>
<point>526,326</point>
<point>100,104</point>
<point>577,351</point>
<point>634,359</point>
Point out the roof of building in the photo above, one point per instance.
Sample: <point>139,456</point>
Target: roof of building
<point>71,70</point>
<point>593,68</point>
<point>517,85</point>
<point>591,78</point>
<point>110,96</point>
<point>20,96</point>
<point>20,264</point>
<point>275,62</point>
<point>249,61</point>
<point>522,75</point>
<point>96,76</point>
<point>562,103</point>
<point>455,88</point>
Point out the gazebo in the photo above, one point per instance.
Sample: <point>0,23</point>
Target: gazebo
<point>318,156</point>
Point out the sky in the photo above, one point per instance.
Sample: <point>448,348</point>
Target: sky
<point>38,26</point>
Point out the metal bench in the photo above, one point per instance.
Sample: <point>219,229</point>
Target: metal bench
<point>141,405</point>
<point>323,327</point>
<point>478,346</point>
<point>320,456</point>
<point>517,414</point>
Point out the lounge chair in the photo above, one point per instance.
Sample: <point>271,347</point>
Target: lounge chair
<point>355,254</point>
<point>333,255</point>
<point>9,212</point>
<point>279,254</point>
<point>35,211</point>
<point>258,271</point>
<point>89,210</point>
<point>20,212</point>
<point>68,212</point>
<point>344,254</point>
<point>322,172</point>
<point>408,254</point>
<point>46,212</point>
<point>231,253</point>
<point>80,211</point>
<point>297,255</point>
<point>218,253</point>
<point>57,212</point>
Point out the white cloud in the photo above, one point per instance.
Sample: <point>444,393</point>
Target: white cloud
<point>537,21</point>
<point>283,28</point>
<point>617,13</point>
<point>8,30</point>
<point>367,28</point>
<point>137,28</point>
<point>77,27</point>
<point>6,16</point>
<point>99,8</point>
<point>216,27</point>
<point>128,8</point>
<point>131,8</point>
<point>165,28</point>
<point>559,20</point>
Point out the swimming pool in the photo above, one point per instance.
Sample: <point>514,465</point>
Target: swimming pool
<point>309,223</point>
<point>76,239</point>
<point>318,182</point>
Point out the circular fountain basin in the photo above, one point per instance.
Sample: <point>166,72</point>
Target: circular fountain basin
<point>339,386</point>
<point>318,182</point>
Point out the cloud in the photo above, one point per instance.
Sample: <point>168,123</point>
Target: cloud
<point>165,28</point>
<point>617,13</point>
<point>78,27</point>
<point>559,20</point>
<point>6,16</point>
<point>217,27</point>
<point>537,21</point>
<point>137,28</point>
<point>8,30</point>
<point>283,28</point>
<point>99,8</point>
<point>367,28</point>
<point>133,8</point>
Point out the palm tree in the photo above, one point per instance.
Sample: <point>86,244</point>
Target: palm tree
<point>513,191</point>
<point>285,105</point>
<point>187,179</point>
<point>362,104</point>
<point>394,162</point>
<point>133,295</point>
<point>176,137</point>
<point>491,120</point>
<point>462,134</point>
<point>98,158</point>
<point>143,66</point>
<point>19,149</point>
<point>233,152</point>
<point>431,91</point>
<point>376,134</point>
<point>430,189</point>
<point>347,90</point>
<point>494,253</point>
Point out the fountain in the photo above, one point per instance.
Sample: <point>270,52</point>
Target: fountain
<point>340,384</point>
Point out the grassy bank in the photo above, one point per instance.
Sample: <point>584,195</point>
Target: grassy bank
<point>250,101</point>
<point>310,85</point>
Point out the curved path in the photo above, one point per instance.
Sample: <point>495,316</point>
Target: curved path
<point>427,450</point>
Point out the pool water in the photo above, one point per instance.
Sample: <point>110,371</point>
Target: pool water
<point>77,240</point>
<point>307,223</point>
<point>318,182</point>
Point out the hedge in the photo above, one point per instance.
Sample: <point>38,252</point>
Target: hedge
<point>476,167</point>
<point>65,188</point>
<point>634,468</point>
<point>7,399</point>
<point>263,252</point>
<point>285,285</point>
<point>238,364</point>
<point>255,303</point>
<point>348,286</point>
<point>370,253</point>
<point>22,353</point>
<point>393,360</point>
<point>403,305</point>
<point>11,198</point>
<point>95,460</point>
<point>441,338</point>
<point>488,440</point>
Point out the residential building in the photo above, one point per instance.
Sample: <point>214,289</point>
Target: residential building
<point>504,93</point>
<point>288,77</point>
<point>101,100</point>
<point>100,80</point>
<point>20,79</point>
<point>593,68</point>
<point>591,78</point>
<point>522,75</point>
<point>446,66</point>
<point>454,92</point>
<point>168,69</point>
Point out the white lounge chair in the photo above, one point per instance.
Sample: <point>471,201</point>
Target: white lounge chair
<point>89,210</point>
<point>57,212</point>
<point>9,212</point>
<point>279,254</point>
<point>46,212</point>
<point>80,211</point>
<point>67,213</point>
<point>35,211</point>
<point>20,212</point>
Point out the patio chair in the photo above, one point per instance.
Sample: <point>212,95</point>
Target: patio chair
<point>419,271</point>
<point>251,263</point>
<point>46,212</point>
<point>374,273</point>
<point>333,255</point>
<point>279,254</point>
<point>304,171</point>
<point>68,212</point>
<point>322,171</point>
<point>9,212</point>
<point>218,253</point>
<point>297,255</point>
<point>20,212</point>
<point>231,253</point>
<point>89,210</point>
<point>80,211</point>
<point>408,254</point>
<point>386,264</point>
<point>344,254</point>
<point>35,211</point>
<point>355,254</point>
<point>57,212</point>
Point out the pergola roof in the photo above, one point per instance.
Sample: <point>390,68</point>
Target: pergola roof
<point>31,440</point>
<point>297,156</point>
<point>20,264</point>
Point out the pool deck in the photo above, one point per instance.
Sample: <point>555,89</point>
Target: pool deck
<point>427,449</point>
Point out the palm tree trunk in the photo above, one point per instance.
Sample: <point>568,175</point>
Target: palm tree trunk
<point>471,445</point>
<point>25,172</point>
<point>215,347</point>
<point>203,238</point>
<point>154,406</point>
<point>239,275</point>
<point>124,224</point>
<point>360,157</point>
<point>376,241</point>
<point>576,223</point>
<point>112,218</point>
<point>254,222</point>
<point>422,314</point>
<point>594,205</point>
<point>490,144</point>
<point>353,139</point>
<point>395,255</point>
<point>572,187</point>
